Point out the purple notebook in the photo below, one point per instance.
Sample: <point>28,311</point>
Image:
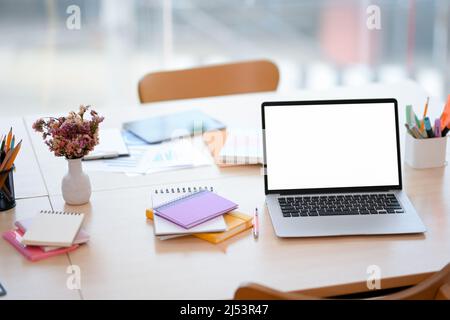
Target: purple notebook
<point>195,208</point>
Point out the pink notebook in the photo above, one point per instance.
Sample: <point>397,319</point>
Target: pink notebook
<point>32,253</point>
<point>195,208</point>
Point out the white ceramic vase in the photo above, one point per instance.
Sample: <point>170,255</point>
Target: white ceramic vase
<point>76,186</point>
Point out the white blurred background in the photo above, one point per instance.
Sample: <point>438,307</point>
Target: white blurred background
<point>45,67</point>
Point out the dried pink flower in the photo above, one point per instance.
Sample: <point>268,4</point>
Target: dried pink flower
<point>73,136</point>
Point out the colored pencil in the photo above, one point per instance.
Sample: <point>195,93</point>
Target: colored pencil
<point>8,139</point>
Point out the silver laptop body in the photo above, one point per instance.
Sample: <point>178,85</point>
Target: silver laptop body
<point>333,168</point>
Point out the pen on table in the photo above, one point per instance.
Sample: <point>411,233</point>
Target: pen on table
<point>437,127</point>
<point>101,155</point>
<point>428,127</point>
<point>255,224</point>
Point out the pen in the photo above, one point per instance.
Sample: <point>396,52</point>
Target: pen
<point>437,127</point>
<point>101,155</point>
<point>410,131</point>
<point>417,132</point>
<point>428,127</point>
<point>255,224</point>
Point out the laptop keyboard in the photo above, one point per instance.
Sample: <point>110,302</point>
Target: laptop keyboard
<point>339,205</point>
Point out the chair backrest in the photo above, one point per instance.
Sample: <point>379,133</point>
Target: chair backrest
<point>435,287</point>
<point>218,80</point>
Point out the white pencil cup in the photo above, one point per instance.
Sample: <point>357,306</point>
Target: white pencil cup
<point>425,153</point>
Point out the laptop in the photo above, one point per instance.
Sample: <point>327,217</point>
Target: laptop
<point>333,168</point>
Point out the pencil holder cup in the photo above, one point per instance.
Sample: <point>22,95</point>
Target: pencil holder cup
<point>7,195</point>
<point>425,153</point>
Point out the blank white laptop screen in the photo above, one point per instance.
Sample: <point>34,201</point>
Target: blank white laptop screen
<point>331,146</point>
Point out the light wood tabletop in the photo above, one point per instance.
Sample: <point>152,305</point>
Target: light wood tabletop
<point>124,260</point>
<point>23,279</point>
<point>28,179</point>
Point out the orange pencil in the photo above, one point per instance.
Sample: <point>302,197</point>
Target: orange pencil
<point>9,161</point>
<point>8,140</point>
<point>10,157</point>
<point>5,161</point>
<point>426,108</point>
<point>3,167</point>
<point>14,153</point>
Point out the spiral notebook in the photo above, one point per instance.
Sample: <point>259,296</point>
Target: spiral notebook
<point>194,208</point>
<point>53,228</point>
<point>24,224</point>
<point>165,228</point>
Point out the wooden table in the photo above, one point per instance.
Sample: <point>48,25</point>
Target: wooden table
<point>28,178</point>
<point>23,279</point>
<point>124,260</point>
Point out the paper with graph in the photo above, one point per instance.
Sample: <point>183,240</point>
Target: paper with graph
<point>145,158</point>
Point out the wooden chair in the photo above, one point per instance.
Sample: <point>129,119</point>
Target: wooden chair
<point>218,80</point>
<point>436,287</point>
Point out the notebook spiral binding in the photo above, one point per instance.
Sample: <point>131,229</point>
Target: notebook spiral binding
<point>183,189</point>
<point>188,192</point>
<point>61,212</point>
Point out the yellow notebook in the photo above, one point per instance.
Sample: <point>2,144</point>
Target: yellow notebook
<point>236,223</point>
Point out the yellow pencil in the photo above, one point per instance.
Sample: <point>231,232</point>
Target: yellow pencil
<point>10,157</point>
<point>8,140</point>
<point>5,161</point>
<point>9,161</point>
<point>14,153</point>
<point>422,124</point>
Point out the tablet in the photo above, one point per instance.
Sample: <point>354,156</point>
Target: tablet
<point>167,127</point>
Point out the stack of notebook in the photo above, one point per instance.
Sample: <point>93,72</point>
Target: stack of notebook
<point>48,234</point>
<point>195,211</point>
